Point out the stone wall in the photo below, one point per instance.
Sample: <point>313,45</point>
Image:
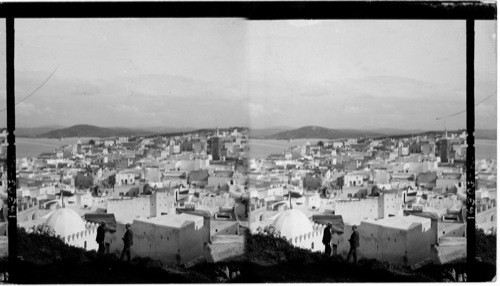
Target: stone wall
<point>226,246</point>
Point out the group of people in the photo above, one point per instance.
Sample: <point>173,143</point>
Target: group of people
<point>353,241</point>
<point>128,241</point>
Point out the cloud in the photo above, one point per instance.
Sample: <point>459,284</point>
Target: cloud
<point>353,110</point>
<point>277,111</point>
<point>486,115</point>
<point>26,109</point>
<point>125,108</point>
<point>85,89</point>
<point>256,110</point>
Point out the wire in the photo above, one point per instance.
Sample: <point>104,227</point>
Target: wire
<point>34,91</point>
<point>460,112</point>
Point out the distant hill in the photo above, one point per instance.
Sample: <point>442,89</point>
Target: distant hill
<point>263,133</point>
<point>161,129</point>
<point>322,132</point>
<point>36,131</point>
<point>93,131</point>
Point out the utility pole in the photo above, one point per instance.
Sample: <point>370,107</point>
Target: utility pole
<point>11,151</point>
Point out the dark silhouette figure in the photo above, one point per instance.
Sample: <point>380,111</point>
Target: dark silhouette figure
<point>100,238</point>
<point>327,237</point>
<point>354,241</point>
<point>128,241</point>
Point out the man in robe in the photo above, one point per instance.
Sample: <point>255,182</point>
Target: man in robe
<point>100,238</point>
<point>327,237</point>
<point>354,242</point>
<point>128,241</point>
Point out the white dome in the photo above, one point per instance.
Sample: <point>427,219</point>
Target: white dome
<point>292,223</point>
<point>65,222</point>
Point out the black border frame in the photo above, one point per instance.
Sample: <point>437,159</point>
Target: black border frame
<point>273,10</point>
<point>341,10</point>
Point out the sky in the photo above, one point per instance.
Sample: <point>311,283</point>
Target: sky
<point>232,72</point>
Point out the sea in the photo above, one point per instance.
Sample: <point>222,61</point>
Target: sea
<point>32,147</point>
<point>486,149</point>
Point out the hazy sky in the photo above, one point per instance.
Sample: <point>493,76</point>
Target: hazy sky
<point>199,72</point>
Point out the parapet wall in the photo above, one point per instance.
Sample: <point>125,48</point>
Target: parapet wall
<point>25,211</point>
<point>90,231</point>
<point>26,206</point>
<point>226,246</point>
<point>311,240</point>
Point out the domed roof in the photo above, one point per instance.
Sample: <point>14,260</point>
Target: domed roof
<point>65,222</point>
<point>292,223</point>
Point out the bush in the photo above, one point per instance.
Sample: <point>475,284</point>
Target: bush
<point>49,260</point>
<point>486,246</point>
<point>267,258</point>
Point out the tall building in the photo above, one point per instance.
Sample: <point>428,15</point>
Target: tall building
<point>444,150</point>
<point>216,148</point>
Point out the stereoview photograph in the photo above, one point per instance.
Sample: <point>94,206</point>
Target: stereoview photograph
<point>208,150</point>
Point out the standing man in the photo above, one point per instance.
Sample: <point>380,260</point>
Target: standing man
<point>354,241</point>
<point>327,237</point>
<point>100,238</point>
<point>128,241</point>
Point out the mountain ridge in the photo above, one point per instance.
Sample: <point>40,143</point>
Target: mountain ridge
<point>323,133</point>
<point>86,130</point>
<point>281,132</point>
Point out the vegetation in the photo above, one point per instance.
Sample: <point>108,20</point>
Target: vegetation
<point>266,259</point>
<point>147,190</point>
<point>49,261</point>
<point>312,182</point>
<point>83,181</point>
<point>112,181</point>
<point>486,246</point>
<point>273,259</point>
